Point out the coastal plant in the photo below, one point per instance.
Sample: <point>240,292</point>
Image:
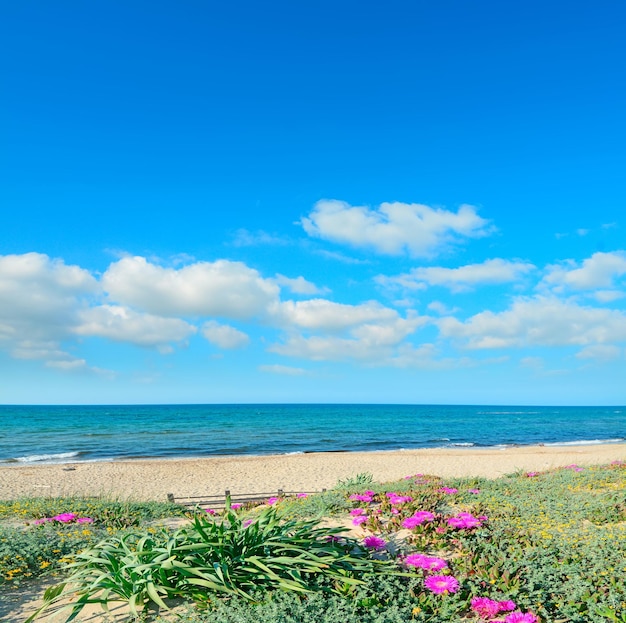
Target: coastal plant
<point>217,557</point>
<point>28,553</point>
<point>554,544</point>
<point>355,483</point>
<point>110,513</point>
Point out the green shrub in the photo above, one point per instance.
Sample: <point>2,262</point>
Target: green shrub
<point>38,550</point>
<point>220,557</point>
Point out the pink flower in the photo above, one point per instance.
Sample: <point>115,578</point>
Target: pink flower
<point>236,506</point>
<point>394,498</point>
<point>357,521</point>
<point>361,497</point>
<point>210,511</point>
<point>464,521</point>
<point>418,518</point>
<point>302,495</point>
<point>271,501</point>
<point>411,522</point>
<point>440,584</point>
<point>531,474</point>
<point>448,490</point>
<point>374,542</point>
<point>247,522</point>
<point>395,511</point>
<point>357,511</point>
<point>428,563</point>
<point>485,608</point>
<point>84,520</point>
<point>65,517</point>
<point>520,617</point>
<point>474,491</point>
<point>507,605</point>
<point>38,522</point>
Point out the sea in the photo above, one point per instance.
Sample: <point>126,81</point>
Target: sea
<point>62,434</point>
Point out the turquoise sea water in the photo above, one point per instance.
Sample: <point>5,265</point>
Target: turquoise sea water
<point>44,434</point>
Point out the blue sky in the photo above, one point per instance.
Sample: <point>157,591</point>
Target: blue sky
<point>410,202</point>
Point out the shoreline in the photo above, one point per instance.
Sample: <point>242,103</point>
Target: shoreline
<point>153,479</point>
<point>464,447</point>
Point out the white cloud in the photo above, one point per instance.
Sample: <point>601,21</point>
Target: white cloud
<point>224,336</point>
<point>39,296</point>
<point>340,257</point>
<point>441,308</point>
<point>245,238</point>
<point>540,321</point>
<point>495,271</point>
<point>33,349</point>
<point>601,352</point>
<point>394,228</point>
<point>74,364</point>
<point>321,314</point>
<point>40,299</point>
<point>121,324</point>
<point>366,342</point>
<point>222,288</point>
<point>608,296</point>
<point>299,285</point>
<point>598,271</point>
<point>286,370</point>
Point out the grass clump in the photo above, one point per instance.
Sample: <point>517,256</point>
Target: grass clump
<point>31,545</point>
<point>228,557</point>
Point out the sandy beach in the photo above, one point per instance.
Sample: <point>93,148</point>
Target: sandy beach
<point>154,479</point>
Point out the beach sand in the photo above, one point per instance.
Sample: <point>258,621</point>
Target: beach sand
<point>154,479</point>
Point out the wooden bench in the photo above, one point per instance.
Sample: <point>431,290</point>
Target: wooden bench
<point>219,501</point>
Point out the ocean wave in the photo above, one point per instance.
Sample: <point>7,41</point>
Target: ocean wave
<point>461,444</point>
<point>61,457</point>
<point>586,442</point>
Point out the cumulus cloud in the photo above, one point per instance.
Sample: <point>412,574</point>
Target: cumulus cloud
<point>600,271</point>
<point>490,272</point>
<point>539,321</point>
<point>299,285</point>
<point>224,336</point>
<point>121,324</point>
<point>220,289</point>
<point>40,299</point>
<point>365,342</point>
<point>39,296</point>
<point>394,228</point>
<point>321,314</point>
